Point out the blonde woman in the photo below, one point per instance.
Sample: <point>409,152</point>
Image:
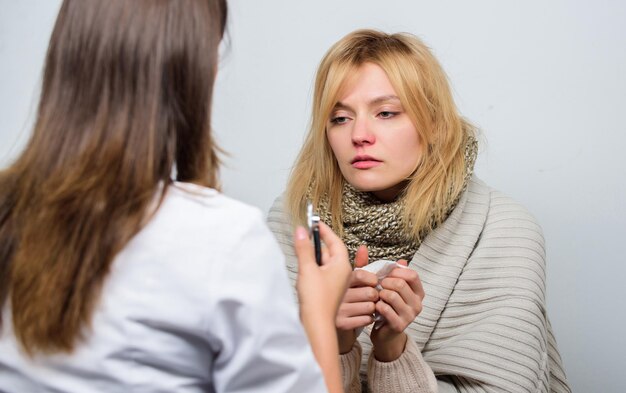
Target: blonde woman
<point>388,162</point>
<point>117,277</point>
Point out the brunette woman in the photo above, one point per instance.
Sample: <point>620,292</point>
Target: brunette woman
<point>122,266</point>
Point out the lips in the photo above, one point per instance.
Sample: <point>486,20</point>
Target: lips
<point>364,162</point>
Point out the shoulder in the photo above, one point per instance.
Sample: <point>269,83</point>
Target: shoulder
<point>511,243</point>
<point>281,224</point>
<point>484,212</point>
<point>192,199</point>
<point>199,224</point>
<point>506,217</point>
<point>209,242</point>
<point>278,216</point>
<point>194,209</point>
<point>280,221</point>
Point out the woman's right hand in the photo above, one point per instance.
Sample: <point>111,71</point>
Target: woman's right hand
<point>358,304</point>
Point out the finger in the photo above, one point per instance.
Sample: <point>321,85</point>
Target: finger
<point>333,242</point>
<point>411,277</point>
<point>361,257</point>
<point>325,254</point>
<point>360,294</point>
<point>335,256</point>
<point>401,287</point>
<point>354,323</point>
<point>392,318</point>
<point>304,249</point>
<point>362,278</point>
<point>407,309</point>
<point>402,306</point>
<point>351,310</point>
<point>399,295</point>
<point>395,300</point>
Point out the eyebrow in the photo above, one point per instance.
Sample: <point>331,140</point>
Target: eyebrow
<point>377,100</point>
<point>390,97</point>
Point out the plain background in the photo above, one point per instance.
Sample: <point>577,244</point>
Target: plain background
<point>544,81</point>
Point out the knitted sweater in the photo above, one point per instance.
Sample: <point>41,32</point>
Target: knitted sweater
<point>483,326</point>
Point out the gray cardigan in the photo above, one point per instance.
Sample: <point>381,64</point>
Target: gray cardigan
<point>483,327</point>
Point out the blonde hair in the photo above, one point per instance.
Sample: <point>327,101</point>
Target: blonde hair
<point>422,86</point>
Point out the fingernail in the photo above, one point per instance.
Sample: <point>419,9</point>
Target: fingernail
<point>301,233</point>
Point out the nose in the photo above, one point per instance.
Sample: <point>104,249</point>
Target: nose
<point>362,133</point>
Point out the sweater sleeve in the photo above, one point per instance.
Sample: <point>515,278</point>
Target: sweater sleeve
<point>350,365</point>
<point>409,373</point>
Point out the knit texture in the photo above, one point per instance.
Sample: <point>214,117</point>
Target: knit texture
<point>350,364</point>
<point>416,375</point>
<point>366,220</point>
<point>483,326</point>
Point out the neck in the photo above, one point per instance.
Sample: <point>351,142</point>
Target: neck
<point>390,194</point>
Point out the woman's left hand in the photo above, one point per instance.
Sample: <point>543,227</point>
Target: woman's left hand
<point>400,303</point>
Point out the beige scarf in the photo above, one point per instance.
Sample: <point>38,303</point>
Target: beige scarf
<point>367,220</point>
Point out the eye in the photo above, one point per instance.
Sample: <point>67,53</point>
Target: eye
<point>387,114</point>
<point>339,120</point>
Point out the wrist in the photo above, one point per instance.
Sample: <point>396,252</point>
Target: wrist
<point>391,349</point>
<point>346,339</point>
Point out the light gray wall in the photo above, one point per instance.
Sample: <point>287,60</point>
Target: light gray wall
<point>545,82</point>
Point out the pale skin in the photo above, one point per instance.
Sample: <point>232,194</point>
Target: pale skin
<point>320,290</point>
<point>374,140</point>
<point>377,148</point>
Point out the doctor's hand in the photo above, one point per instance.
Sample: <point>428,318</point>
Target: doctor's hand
<point>400,302</point>
<point>321,288</point>
<point>359,303</point>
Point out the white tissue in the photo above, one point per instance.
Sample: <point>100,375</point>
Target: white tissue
<point>381,268</point>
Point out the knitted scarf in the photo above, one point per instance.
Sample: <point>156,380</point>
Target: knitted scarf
<point>379,225</point>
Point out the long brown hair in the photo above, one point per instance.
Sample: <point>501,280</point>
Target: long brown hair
<point>422,85</point>
<point>125,102</point>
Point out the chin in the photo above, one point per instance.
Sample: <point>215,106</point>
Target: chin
<point>368,182</point>
<point>366,186</point>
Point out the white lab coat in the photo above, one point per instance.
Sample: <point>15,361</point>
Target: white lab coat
<point>198,301</point>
